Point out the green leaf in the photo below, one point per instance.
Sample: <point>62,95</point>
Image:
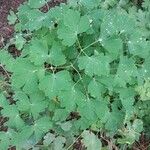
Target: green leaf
<point>95,88</point>
<point>69,37</point>
<point>126,71</point>
<point>40,53</point>
<point>127,97</point>
<point>5,138</point>
<point>35,105</point>
<point>59,143</point>
<point>41,126</point>
<point>12,113</point>
<point>113,46</point>
<point>37,3</point>
<point>101,109</point>
<point>48,139</point>
<point>32,19</point>
<point>16,122</point>
<point>97,110</point>
<point>19,41</point>
<point>12,18</point>
<point>91,141</point>
<point>138,125</point>
<point>84,65</point>
<point>25,75</point>
<point>3,101</point>
<point>116,22</point>
<point>56,56</point>
<point>94,65</point>
<point>85,105</point>
<point>138,45</point>
<point>21,138</point>
<point>73,24</point>
<point>132,132</point>
<point>66,126</point>
<point>6,59</point>
<point>90,4</point>
<point>22,101</point>
<point>69,98</point>
<point>114,121</point>
<point>144,91</point>
<point>145,4</point>
<point>60,115</point>
<point>54,83</point>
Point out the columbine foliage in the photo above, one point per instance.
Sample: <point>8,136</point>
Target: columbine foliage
<point>80,58</point>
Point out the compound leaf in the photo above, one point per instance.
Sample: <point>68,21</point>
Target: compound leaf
<point>95,88</point>
<point>37,3</point>
<point>73,24</point>
<point>91,141</point>
<point>54,83</point>
<point>41,126</point>
<point>25,75</point>
<point>94,65</point>
<point>34,105</point>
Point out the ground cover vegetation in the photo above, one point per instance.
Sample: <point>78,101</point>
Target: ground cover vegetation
<point>82,76</point>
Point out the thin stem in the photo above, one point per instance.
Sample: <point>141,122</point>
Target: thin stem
<point>110,143</point>
<point>63,67</point>
<point>78,74</point>
<point>90,45</point>
<point>76,83</point>
<point>79,44</point>
<point>82,50</point>
<point>80,80</point>
<point>76,71</point>
<point>55,68</point>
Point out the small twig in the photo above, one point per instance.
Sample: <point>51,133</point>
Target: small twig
<point>5,71</point>
<point>47,5</point>
<point>4,84</point>
<point>110,144</point>
<point>74,142</point>
<point>90,45</point>
<point>2,119</point>
<point>83,49</point>
<point>59,67</point>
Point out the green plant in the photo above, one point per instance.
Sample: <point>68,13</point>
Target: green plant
<point>80,58</point>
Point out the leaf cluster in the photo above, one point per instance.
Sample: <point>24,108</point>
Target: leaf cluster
<point>90,58</point>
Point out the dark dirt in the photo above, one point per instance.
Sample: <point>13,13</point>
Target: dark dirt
<point>78,145</point>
